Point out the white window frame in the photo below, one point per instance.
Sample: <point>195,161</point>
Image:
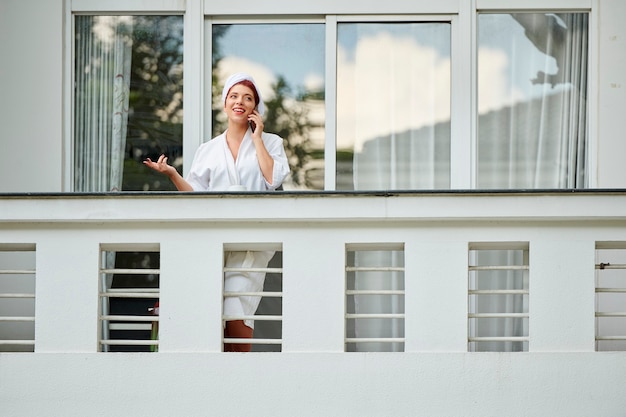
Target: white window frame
<point>581,6</point>
<point>122,7</point>
<point>461,13</point>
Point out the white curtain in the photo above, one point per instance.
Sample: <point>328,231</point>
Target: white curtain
<point>393,99</point>
<point>533,134</point>
<point>393,104</point>
<point>409,160</point>
<point>504,303</point>
<point>103,60</point>
<point>378,280</point>
<point>532,129</point>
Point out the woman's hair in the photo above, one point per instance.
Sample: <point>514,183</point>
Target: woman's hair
<point>251,86</point>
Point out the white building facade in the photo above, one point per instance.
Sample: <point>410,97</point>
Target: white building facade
<point>453,243</point>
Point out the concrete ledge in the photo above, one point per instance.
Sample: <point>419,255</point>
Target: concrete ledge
<point>314,384</point>
<point>446,206</point>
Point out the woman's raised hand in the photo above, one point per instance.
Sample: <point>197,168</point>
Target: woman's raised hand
<point>257,120</point>
<point>160,165</point>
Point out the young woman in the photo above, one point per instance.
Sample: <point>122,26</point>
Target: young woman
<point>242,158</point>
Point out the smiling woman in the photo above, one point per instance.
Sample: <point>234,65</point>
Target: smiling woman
<point>391,99</point>
<point>241,158</point>
<point>287,61</point>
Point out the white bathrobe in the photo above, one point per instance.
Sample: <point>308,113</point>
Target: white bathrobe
<point>215,169</point>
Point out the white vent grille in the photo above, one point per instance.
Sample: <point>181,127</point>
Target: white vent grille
<point>498,297</point>
<point>610,287</point>
<point>129,293</point>
<point>375,298</point>
<point>261,263</point>
<point>17,297</point>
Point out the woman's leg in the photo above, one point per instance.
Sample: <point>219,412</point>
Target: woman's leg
<point>237,329</point>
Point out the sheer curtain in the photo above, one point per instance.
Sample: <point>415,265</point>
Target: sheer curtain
<point>103,60</point>
<point>393,105</point>
<point>379,272</point>
<point>393,115</point>
<point>504,285</point>
<point>532,127</point>
<point>532,131</point>
<point>532,124</point>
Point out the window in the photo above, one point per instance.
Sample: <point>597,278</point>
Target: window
<point>610,296</point>
<point>532,100</point>
<point>498,297</point>
<point>287,62</point>
<point>17,297</point>
<point>365,100</point>
<point>253,293</point>
<point>374,298</point>
<point>128,100</point>
<point>129,298</point>
<point>393,105</point>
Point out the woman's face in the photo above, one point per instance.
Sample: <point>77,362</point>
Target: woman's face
<point>239,103</point>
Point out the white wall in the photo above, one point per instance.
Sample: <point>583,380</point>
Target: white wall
<point>561,375</point>
<point>314,384</point>
<point>31,103</point>
<point>612,94</point>
<point>31,109</point>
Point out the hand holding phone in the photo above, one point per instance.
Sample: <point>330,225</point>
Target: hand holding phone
<point>251,122</point>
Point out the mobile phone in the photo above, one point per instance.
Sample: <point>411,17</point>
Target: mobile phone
<point>252,125</point>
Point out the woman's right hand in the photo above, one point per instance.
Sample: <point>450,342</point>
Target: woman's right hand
<point>160,165</point>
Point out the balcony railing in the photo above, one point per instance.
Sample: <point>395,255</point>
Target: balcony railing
<point>561,233</point>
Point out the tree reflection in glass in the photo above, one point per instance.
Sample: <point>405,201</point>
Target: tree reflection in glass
<point>127,100</point>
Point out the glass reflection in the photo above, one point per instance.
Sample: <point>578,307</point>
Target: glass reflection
<point>393,106</point>
<point>287,62</point>
<point>128,100</point>
<point>532,88</point>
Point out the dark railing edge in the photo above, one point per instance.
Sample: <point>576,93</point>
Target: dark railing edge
<point>300,193</point>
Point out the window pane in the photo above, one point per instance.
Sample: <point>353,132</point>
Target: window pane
<point>287,62</point>
<point>532,100</point>
<point>393,106</point>
<point>128,100</point>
